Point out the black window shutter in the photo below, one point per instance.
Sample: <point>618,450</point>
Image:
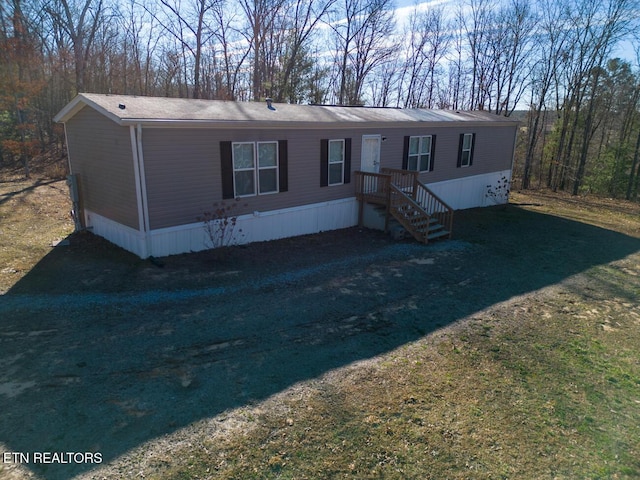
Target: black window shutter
<point>473,148</point>
<point>460,150</point>
<point>405,153</point>
<point>283,167</point>
<point>324,162</point>
<point>347,160</point>
<point>433,152</point>
<point>226,170</point>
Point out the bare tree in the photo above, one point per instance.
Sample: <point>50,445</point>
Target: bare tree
<point>457,93</point>
<point>511,44</point>
<point>551,37</point>
<point>139,43</point>
<point>189,24</point>
<point>301,20</point>
<point>169,73</point>
<point>385,81</point>
<point>261,17</point>
<point>477,28</point>
<point>79,21</point>
<point>595,27</point>
<point>634,173</point>
<point>614,20</point>
<point>232,58</point>
<point>425,50</point>
<point>106,63</point>
<point>21,84</point>
<point>363,34</point>
<point>620,119</point>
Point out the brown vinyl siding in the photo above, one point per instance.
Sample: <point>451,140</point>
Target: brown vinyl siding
<point>182,180</point>
<point>100,155</point>
<point>492,151</point>
<point>183,170</point>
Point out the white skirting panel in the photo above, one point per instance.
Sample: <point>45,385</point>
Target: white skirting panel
<point>126,237</point>
<point>470,192</point>
<point>260,226</point>
<point>256,227</point>
<point>461,193</point>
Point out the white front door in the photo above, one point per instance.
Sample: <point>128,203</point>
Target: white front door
<point>370,156</point>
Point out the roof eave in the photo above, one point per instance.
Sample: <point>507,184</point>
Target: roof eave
<point>468,120</point>
<point>275,125</point>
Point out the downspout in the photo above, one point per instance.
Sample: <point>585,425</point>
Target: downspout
<point>143,184</point>
<point>64,125</point>
<point>141,188</point>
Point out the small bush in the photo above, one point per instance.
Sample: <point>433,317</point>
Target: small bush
<point>499,193</point>
<point>220,225</point>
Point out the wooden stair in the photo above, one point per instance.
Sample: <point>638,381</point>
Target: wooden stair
<point>407,201</point>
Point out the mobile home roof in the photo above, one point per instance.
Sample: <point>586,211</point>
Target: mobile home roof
<point>182,112</point>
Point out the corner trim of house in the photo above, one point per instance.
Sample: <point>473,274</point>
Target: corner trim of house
<point>126,237</point>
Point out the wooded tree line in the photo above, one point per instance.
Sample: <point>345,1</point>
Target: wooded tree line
<point>553,58</point>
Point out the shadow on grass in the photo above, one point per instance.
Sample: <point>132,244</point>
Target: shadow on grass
<point>6,197</point>
<point>102,352</point>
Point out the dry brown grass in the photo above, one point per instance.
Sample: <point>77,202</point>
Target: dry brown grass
<point>545,385</point>
<point>34,215</point>
<point>542,386</point>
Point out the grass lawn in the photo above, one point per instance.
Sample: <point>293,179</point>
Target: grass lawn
<point>542,385</point>
<point>545,385</point>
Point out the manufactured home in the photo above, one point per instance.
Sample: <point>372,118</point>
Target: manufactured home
<point>145,169</point>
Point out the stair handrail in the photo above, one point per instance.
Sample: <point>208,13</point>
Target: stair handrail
<point>397,173</point>
<point>431,193</point>
<point>433,205</point>
<point>423,195</point>
<point>410,189</point>
<point>394,208</point>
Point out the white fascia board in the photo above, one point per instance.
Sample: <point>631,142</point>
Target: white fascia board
<point>69,110</point>
<point>77,104</point>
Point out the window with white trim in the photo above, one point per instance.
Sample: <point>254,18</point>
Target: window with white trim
<point>267,167</point>
<point>255,168</point>
<point>336,162</point>
<point>466,150</point>
<point>419,155</point>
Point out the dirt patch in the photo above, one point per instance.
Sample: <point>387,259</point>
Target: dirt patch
<point>286,359</point>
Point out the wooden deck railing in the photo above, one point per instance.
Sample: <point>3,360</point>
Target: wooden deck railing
<point>372,187</point>
<point>403,179</point>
